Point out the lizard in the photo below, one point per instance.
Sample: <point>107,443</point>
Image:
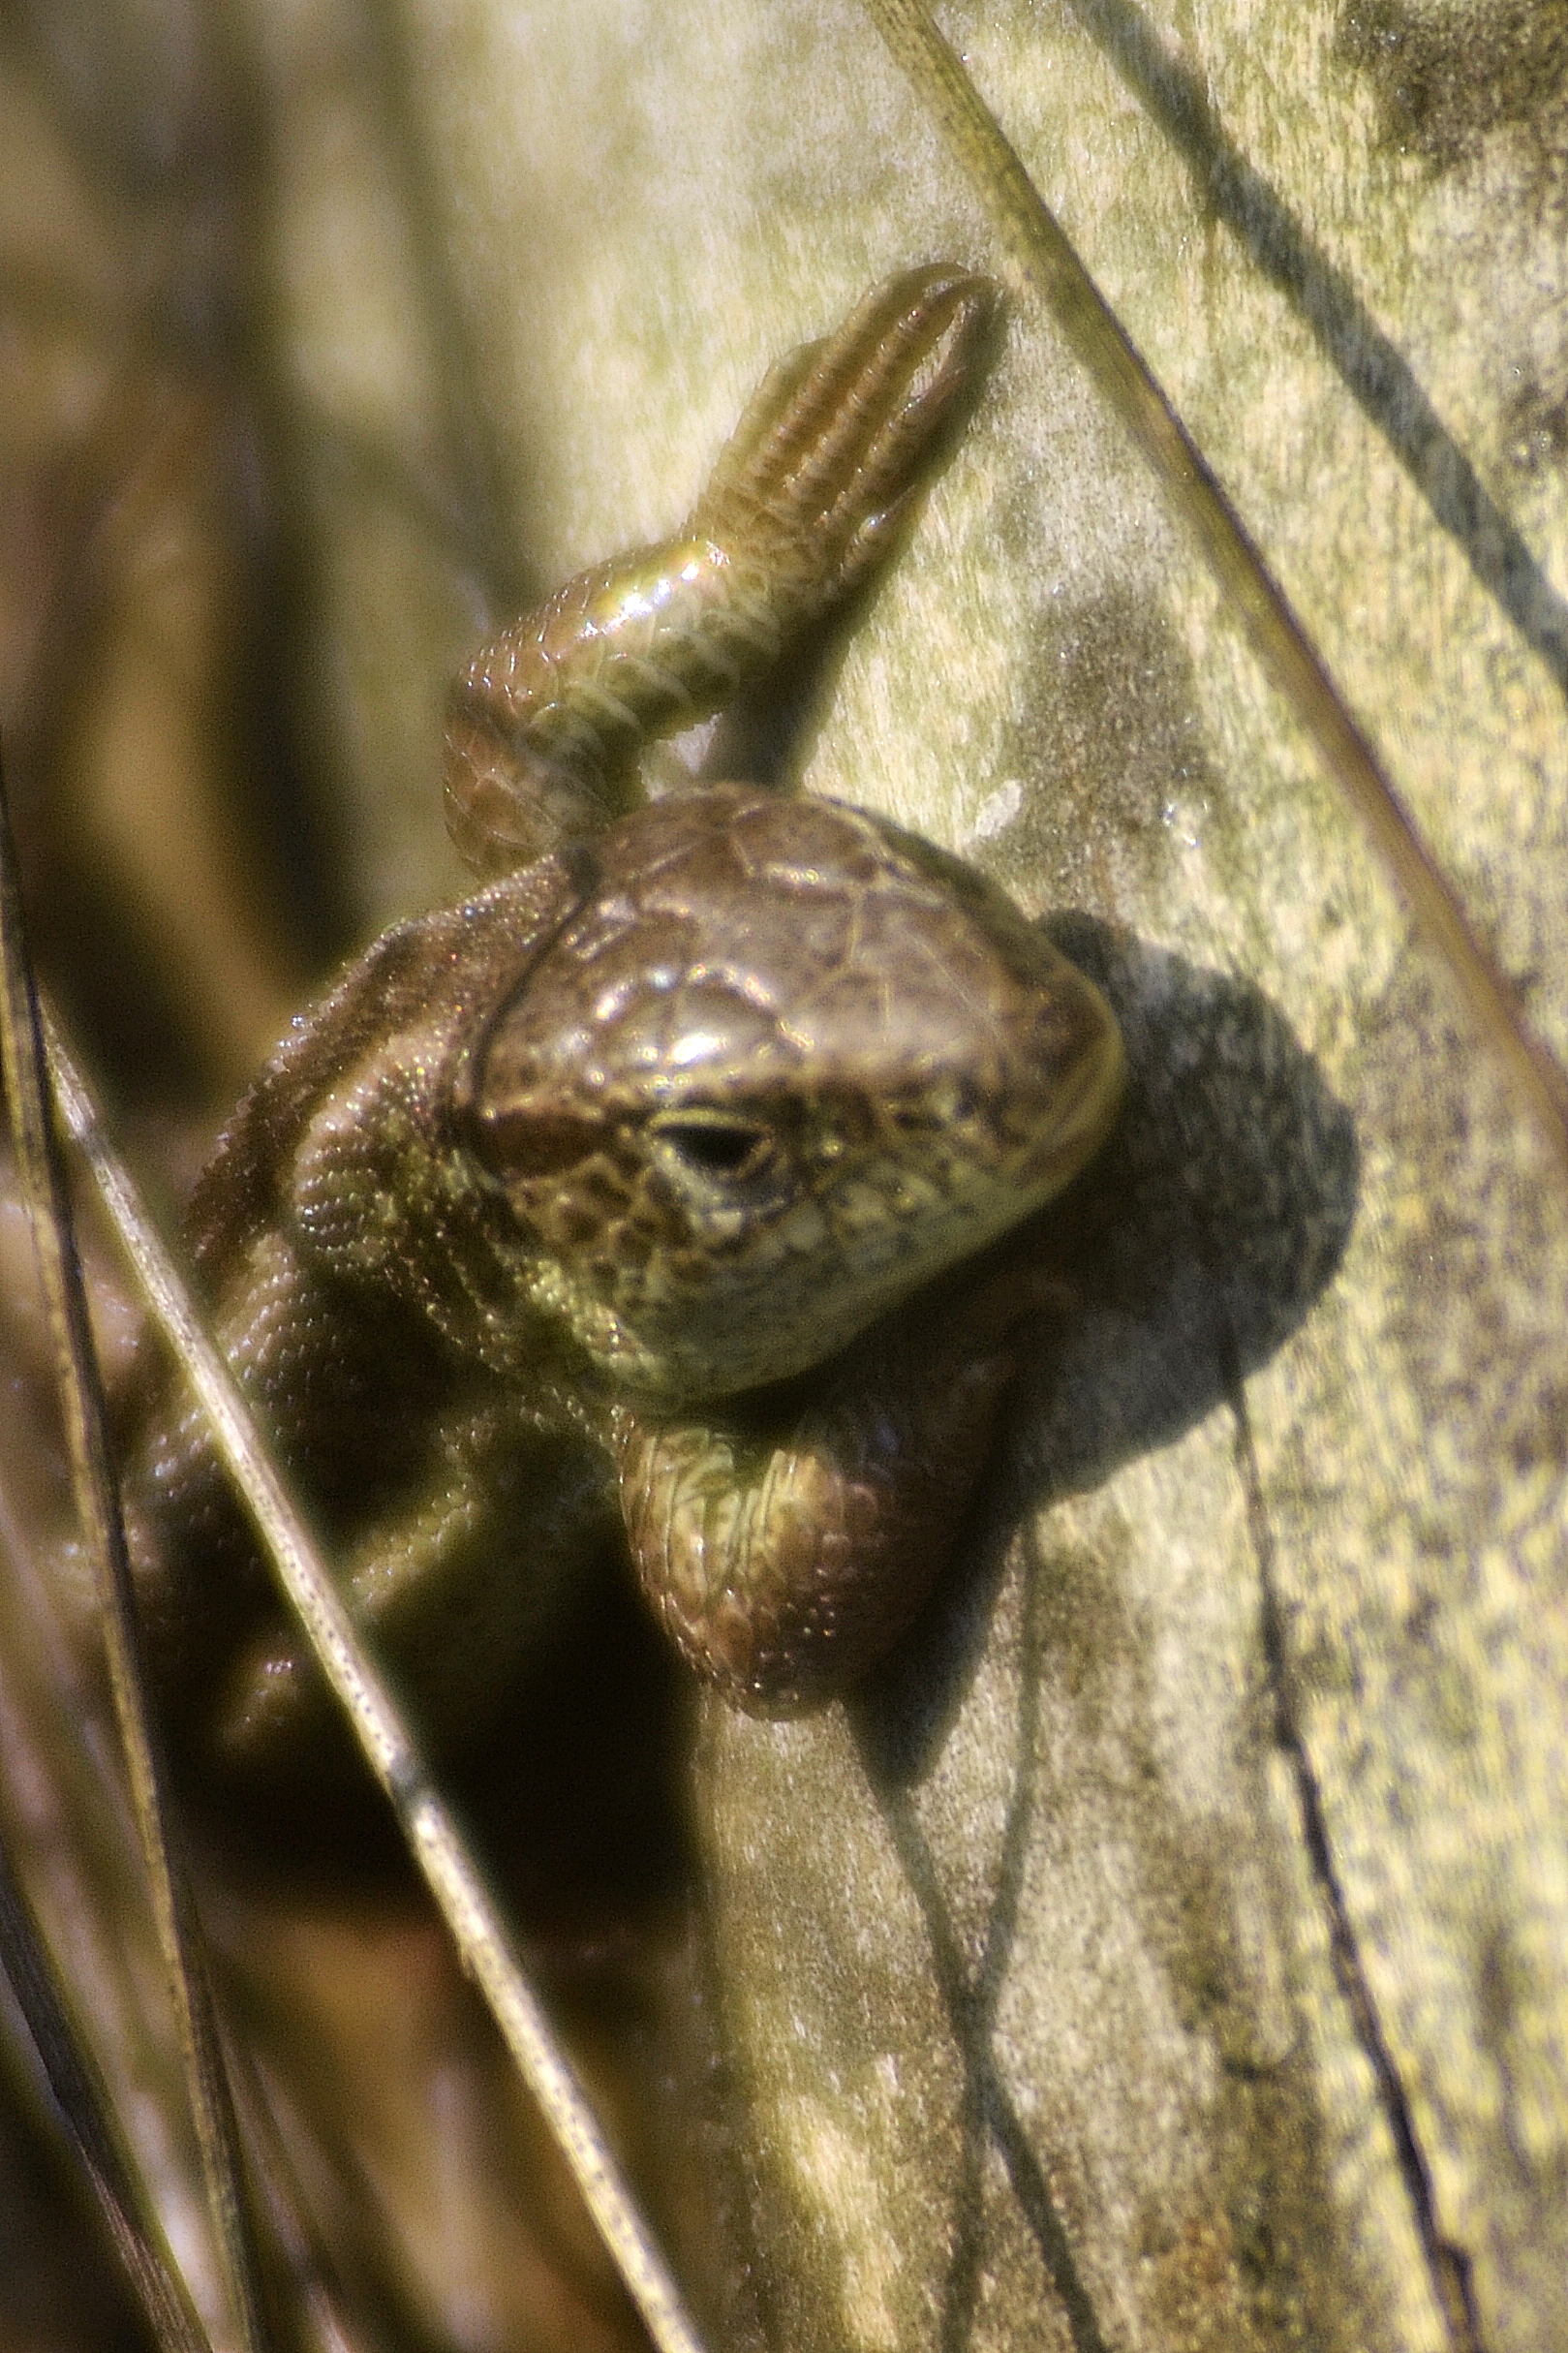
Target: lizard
<point>657,1197</point>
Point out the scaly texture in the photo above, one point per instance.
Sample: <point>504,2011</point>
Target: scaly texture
<point>546,722</point>
<point>629,1173</point>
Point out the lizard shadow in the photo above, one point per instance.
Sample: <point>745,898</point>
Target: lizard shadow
<point>1197,1244</point>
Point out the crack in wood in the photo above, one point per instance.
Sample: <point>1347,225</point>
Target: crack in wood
<point>1447,2264</point>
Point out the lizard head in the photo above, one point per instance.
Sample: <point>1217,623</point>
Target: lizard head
<point>783,1064</point>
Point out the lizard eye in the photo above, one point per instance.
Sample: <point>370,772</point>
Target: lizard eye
<point>713,1144</point>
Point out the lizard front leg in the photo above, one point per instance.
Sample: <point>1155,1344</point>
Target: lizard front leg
<point>784,1554</point>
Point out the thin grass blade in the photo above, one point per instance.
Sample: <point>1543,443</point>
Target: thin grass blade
<point>86,2115</point>
<point>102,1532</point>
<point>466,1901</point>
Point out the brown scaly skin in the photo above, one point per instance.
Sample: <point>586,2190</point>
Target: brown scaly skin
<point>629,1203</point>
<point>546,724</point>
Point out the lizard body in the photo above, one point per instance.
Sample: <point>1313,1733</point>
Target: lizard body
<point>652,1200</point>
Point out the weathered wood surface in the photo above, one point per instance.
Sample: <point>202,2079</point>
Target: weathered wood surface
<point>1023,1966</point>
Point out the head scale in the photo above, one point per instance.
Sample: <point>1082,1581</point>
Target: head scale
<point>781,1065</point>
